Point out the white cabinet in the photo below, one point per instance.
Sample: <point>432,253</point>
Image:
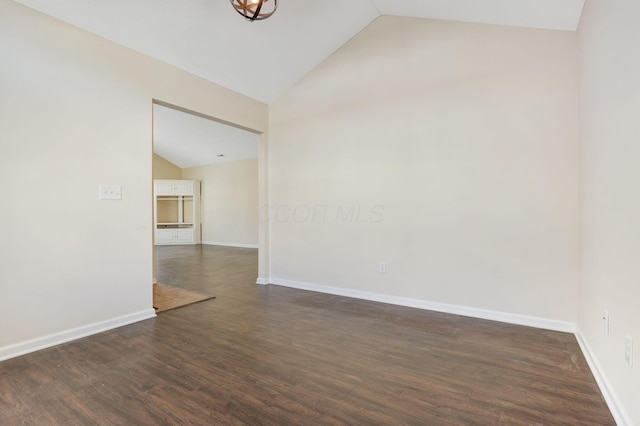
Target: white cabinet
<point>175,236</point>
<point>174,187</point>
<point>176,212</point>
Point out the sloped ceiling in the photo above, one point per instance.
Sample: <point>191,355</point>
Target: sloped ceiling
<point>263,59</point>
<point>188,140</point>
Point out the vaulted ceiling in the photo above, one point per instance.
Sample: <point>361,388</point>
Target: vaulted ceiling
<point>188,140</point>
<point>263,59</point>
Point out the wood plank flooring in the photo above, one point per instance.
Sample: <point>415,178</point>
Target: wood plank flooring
<point>267,355</point>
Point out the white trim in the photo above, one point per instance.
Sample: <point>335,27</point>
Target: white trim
<point>262,281</point>
<point>39,343</point>
<point>620,415</point>
<point>225,244</point>
<point>548,324</point>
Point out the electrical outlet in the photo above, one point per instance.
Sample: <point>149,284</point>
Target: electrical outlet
<point>628,350</point>
<point>110,192</point>
<point>383,267</point>
<point>605,321</point>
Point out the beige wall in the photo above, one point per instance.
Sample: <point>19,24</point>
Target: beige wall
<point>609,53</point>
<point>229,202</point>
<point>448,150</point>
<point>229,198</point>
<point>164,169</point>
<point>75,112</point>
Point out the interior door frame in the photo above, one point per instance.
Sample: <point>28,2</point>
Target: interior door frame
<point>263,200</point>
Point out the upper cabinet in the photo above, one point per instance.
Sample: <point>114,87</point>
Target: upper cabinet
<point>174,187</point>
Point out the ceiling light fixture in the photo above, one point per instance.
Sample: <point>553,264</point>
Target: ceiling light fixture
<point>255,10</point>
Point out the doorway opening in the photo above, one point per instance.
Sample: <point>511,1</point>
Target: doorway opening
<point>206,194</point>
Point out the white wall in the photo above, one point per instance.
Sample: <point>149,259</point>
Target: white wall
<point>229,202</point>
<point>75,112</point>
<point>609,75</point>
<point>457,143</point>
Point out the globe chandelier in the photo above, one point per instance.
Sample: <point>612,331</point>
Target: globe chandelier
<point>255,10</point>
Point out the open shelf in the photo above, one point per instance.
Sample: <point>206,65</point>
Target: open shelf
<point>174,226</point>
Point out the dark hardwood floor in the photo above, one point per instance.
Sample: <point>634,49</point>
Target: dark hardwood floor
<point>267,355</point>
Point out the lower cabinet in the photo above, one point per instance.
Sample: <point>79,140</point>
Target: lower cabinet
<point>175,236</point>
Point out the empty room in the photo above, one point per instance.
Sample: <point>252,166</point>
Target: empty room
<point>447,213</point>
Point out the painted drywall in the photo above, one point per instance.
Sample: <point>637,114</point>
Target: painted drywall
<point>447,150</point>
<point>75,112</point>
<point>609,82</point>
<point>164,169</point>
<point>229,201</point>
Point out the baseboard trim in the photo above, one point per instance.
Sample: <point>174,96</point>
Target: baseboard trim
<point>620,415</point>
<point>225,244</point>
<point>39,343</point>
<point>567,327</point>
<point>262,281</point>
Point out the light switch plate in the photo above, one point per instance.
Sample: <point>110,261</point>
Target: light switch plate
<point>110,192</point>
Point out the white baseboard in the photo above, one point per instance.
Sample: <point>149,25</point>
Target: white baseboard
<point>567,327</point>
<point>262,281</point>
<point>29,346</point>
<point>225,244</point>
<point>615,406</point>
<point>617,409</point>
